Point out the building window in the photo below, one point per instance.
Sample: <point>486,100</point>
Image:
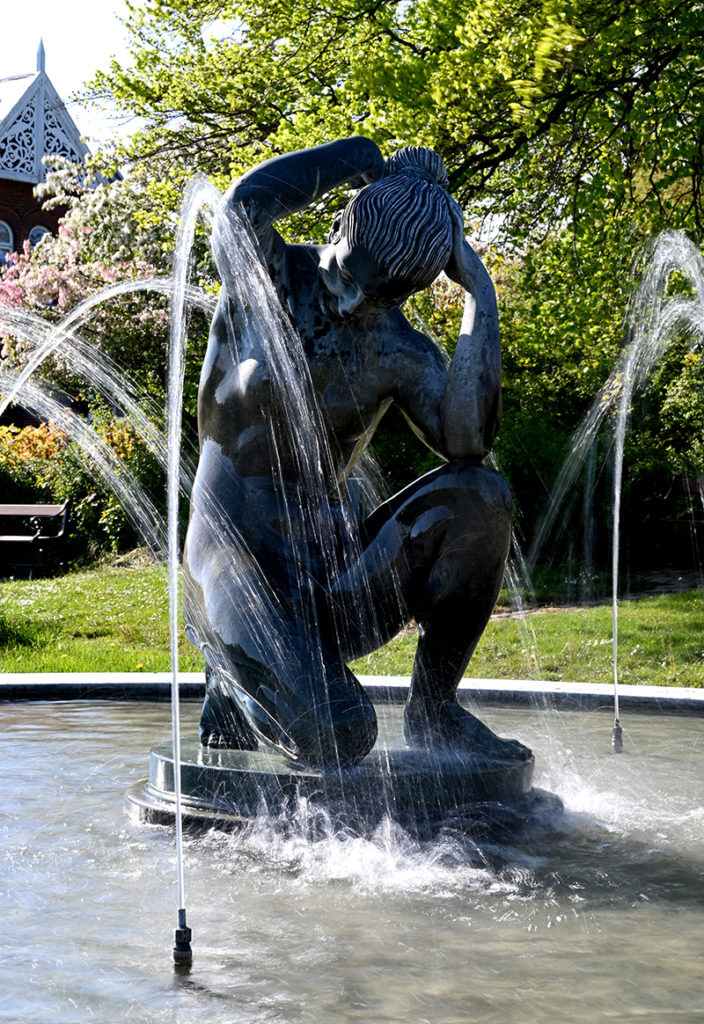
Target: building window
<point>37,234</point>
<point>7,241</point>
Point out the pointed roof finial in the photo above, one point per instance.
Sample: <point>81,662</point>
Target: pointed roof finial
<point>41,57</point>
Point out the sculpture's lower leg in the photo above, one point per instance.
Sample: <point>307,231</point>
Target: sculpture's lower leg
<point>433,717</point>
<point>452,607</point>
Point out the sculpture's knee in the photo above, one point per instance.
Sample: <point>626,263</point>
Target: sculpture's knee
<point>479,486</point>
<point>459,541</point>
<point>463,508</point>
<point>479,529</point>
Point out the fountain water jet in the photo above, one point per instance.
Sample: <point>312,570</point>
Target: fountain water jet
<point>653,321</point>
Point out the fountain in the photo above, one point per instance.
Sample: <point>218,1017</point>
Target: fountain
<point>654,319</point>
<point>419,911</point>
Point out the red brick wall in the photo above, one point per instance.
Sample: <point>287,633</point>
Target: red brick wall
<point>22,211</point>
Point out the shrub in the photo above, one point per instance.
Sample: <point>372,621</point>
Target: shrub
<point>41,464</point>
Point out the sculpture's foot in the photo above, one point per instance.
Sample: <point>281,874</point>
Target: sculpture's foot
<point>447,726</point>
<point>222,723</point>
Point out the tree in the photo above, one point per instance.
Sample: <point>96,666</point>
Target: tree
<point>577,125</point>
<point>544,111</point>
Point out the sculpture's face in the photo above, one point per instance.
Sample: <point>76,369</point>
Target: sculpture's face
<point>354,284</point>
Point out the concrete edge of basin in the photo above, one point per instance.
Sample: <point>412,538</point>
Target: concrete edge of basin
<point>63,686</point>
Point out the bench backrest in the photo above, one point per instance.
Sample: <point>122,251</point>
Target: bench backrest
<point>38,516</point>
<point>32,510</point>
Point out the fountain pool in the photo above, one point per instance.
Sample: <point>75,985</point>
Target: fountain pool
<point>597,915</point>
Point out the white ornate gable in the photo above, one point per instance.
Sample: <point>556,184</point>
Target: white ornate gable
<point>34,123</point>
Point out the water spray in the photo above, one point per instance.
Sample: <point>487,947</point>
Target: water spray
<point>195,198</point>
<point>617,732</point>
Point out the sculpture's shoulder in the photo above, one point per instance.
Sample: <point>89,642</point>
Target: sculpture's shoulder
<point>301,262</point>
<point>291,268</point>
<point>402,343</point>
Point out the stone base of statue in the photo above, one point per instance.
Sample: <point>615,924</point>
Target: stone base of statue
<point>227,789</point>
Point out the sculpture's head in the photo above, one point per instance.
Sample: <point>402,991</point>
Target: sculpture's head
<point>392,239</point>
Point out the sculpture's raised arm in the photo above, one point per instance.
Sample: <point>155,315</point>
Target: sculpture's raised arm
<point>288,183</point>
<point>471,404</point>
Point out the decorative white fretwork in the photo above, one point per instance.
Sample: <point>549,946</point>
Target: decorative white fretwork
<point>56,140</point>
<point>17,144</point>
<point>36,124</point>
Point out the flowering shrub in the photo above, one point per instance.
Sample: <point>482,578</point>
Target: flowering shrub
<point>41,464</point>
<point>56,277</point>
<point>105,239</point>
<point>21,445</point>
<point>102,242</point>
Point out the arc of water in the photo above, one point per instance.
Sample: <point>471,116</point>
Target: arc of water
<point>654,318</point>
<point>11,319</point>
<point>98,369</point>
<point>98,459</point>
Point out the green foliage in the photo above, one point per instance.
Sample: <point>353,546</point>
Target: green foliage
<point>669,417</point>
<point>575,124</point>
<point>401,456</point>
<point>41,464</point>
<point>560,108</point>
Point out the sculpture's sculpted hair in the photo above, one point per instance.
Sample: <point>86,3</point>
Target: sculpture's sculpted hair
<point>404,218</point>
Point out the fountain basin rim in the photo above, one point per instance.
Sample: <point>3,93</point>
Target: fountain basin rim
<point>156,686</point>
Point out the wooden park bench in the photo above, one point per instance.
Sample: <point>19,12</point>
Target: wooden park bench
<point>37,529</point>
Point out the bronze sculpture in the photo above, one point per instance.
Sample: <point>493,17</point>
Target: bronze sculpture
<point>279,607</point>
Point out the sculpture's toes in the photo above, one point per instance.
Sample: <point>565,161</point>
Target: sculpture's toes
<point>223,725</point>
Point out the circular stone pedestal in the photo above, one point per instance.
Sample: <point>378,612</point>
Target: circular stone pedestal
<point>420,790</point>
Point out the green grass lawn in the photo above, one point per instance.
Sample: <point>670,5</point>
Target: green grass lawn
<point>116,619</point>
<point>101,620</point>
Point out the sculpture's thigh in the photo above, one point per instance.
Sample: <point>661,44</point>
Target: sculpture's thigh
<point>294,689</point>
<point>428,551</point>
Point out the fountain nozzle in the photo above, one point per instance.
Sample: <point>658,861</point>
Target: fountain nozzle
<point>617,738</point>
<point>182,948</point>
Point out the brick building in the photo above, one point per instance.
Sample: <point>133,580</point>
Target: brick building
<point>33,123</point>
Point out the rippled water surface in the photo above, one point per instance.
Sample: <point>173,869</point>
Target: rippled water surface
<point>597,915</point>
